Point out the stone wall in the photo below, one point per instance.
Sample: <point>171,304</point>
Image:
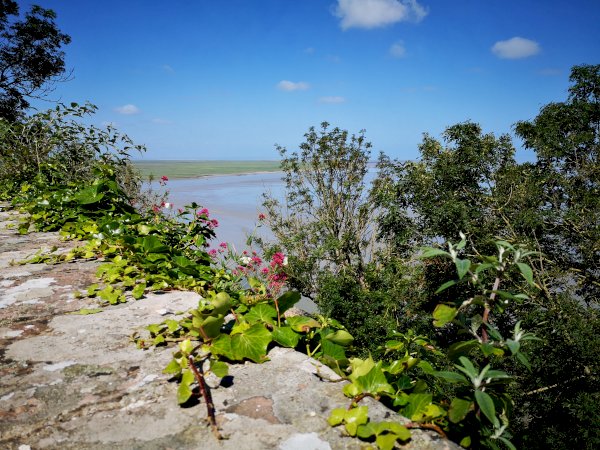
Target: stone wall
<point>70,381</point>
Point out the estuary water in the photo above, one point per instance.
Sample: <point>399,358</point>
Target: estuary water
<point>234,200</point>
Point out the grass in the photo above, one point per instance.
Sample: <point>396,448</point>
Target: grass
<point>194,169</point>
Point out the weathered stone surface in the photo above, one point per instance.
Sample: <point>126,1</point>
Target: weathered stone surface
<point>77,381</point>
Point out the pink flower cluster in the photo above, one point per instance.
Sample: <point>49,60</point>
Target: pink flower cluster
<point>163,180</point>
<point>203,216</point>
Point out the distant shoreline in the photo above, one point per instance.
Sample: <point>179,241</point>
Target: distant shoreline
<point>182,169</point>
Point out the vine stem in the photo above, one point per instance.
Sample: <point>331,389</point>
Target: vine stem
<point>486,311</point>
<point>210,406</point>
<point>427,426</point>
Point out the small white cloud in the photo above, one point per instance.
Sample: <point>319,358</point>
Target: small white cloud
<point>550,72</point>
<point>398,50</point>
<point>309,50</point>
<point>377,13</point>
<point>286,85</point>
<point>334,59</point>
<point>332,99</point>
<point>128,109</point>
<point>516,48</point>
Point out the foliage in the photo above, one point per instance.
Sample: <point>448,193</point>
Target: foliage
<point>477,408</point>
<point>31,59</point>
<point>324,223</point>
<point>54,147</point>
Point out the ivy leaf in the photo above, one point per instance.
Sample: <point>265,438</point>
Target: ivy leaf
<point>336,417</point>
<point>262,313</point>
<point>459,408</point>
<point>386,441</point>
<point>184,392</point>
<point>417,403</point>
<point>486,404</point>
<point>354,418</point>
<point>138,291</point>
<point>442,314</point>
<point>173,368</point>
<point>152,244</point>
<point>340,337</point>
<point>335,351</point>
<point>287,300</point>
<point>252,343</point>
<point>461,348</point>
<point>375,382</point>
<point>302,324</point>
<point>219,368</point>
<point>285,336</point>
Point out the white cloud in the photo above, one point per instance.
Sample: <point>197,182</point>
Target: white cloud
<point>286,85</point>
<point>332,99</point>
<point>398,50</point>
<point>515,48</point>
<point>309,50</point>
<point>377,13</point>
<point>128,109</point>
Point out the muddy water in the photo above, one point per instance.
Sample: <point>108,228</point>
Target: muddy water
<point>234,200</point>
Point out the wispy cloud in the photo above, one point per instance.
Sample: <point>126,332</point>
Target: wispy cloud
<point>515,48</point>
<point>550,72</point>
<point>377,13</point>
<point>167,68</point>
<point>398,50</point>
<point>309,50</point>
<point>286,85</point>
<point>128,109</point>
<point>333,99</point>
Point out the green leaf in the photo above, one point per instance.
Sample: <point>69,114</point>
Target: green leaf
<point>89,195</point>
<point>452,377</point>
<point>184,392</point>
<point>337,416</point>
<point>462,267</point>
<point>287,300</point>
<point>138,291</point>
<point>186,347</point>
<point>354,418</point>
<point>262,313</point>
<point>335,351</point>
<point>526,272</point>
<point>468,367</point>
<point>152,244</point>
<point>302,324</point>
<point>219,368</point>
<point>459,408</point>
<point>461,348</point>
<point>429,252</point>
<point>212,326</point>
<point>386,441</point>
<point>252,343</point>
<point>445,286</point>
<point>417,404</point>
<point>443,314</point>
<point>486,404</point>
<point>340,337</point>
<point>285,336</point>
<point>173,368</point>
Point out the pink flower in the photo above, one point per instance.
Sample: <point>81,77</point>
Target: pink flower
<point>203,212</point>
<point>164,178</point>
<point>278,259</point>
<point>212,253</point>
<point>214,223</point>
<point>261,217</point>
<point>265,270</point>
<point>223,245</point>
<point>256,260</point>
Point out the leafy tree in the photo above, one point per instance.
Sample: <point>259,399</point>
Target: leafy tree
<point>324,223</point>
<point>566,139</point>
<point>30,57</point>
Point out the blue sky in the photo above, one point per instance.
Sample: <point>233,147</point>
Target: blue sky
<point>227,79</point>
